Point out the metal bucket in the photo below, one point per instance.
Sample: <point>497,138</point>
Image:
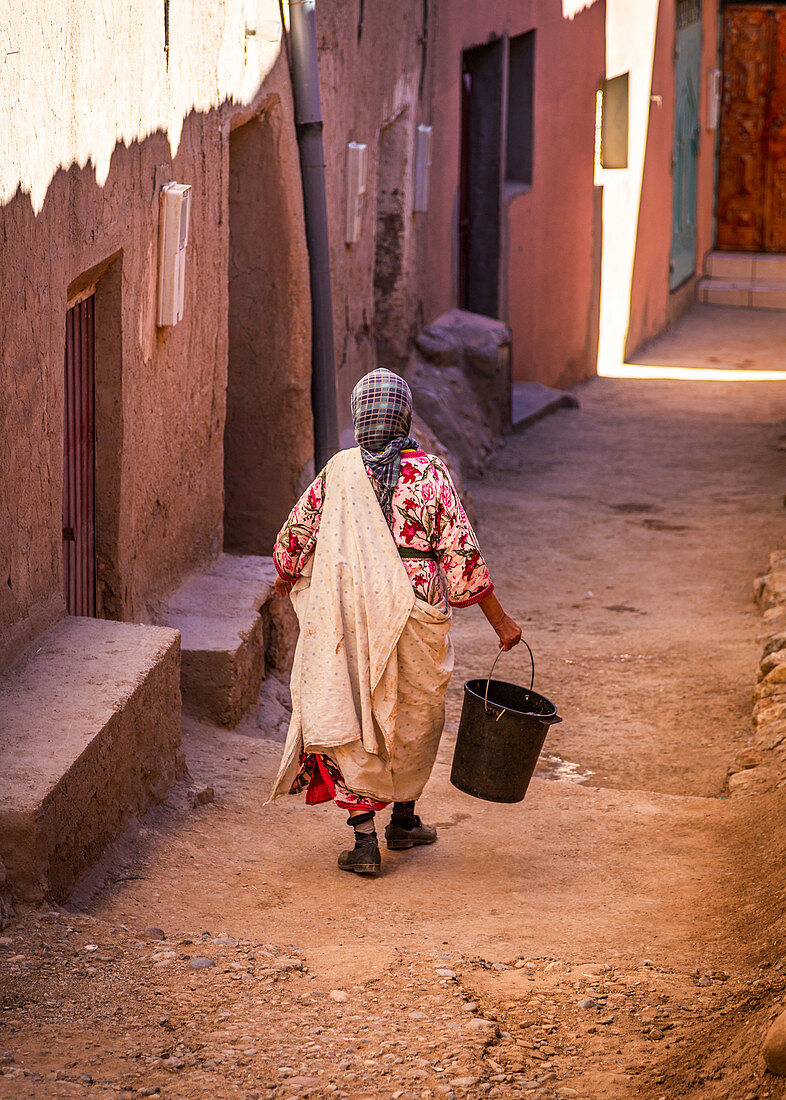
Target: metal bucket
<point>500,735</point>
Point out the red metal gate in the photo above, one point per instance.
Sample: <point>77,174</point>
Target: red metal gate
<point>79,559</point>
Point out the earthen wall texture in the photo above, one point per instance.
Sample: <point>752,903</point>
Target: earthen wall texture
<point>551,232</point>
<point>653,306</point>
<point>98,125</point>
<point>268,438</point>
<point>375,74</point>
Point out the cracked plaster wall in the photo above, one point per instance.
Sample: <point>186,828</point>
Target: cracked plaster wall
<point>92,122</point>
<point>372,73</point>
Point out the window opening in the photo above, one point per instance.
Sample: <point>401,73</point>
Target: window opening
<point>614,122</point>
<point>688,12</point>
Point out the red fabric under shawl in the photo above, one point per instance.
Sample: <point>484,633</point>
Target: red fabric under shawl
<point>324,782</point>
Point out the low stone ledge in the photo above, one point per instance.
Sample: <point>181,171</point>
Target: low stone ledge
<point>89,737</point>
<point>770,589</point>
<point>761,766</point>
<point>533,401</point>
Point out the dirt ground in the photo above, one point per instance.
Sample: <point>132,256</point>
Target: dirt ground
<point>619,933</point>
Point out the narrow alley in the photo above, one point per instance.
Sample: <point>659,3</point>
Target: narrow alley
<point>615,935</point>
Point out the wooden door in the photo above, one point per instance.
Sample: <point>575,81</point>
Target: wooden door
<point>751,213</point>
<point>79,555</point>
<point>480,196</point>
<point>775,178</point>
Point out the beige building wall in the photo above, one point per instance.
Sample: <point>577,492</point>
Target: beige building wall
<point>100,106</point>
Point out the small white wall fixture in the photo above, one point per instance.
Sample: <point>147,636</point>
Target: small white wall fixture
<point>174,214</point>
<point>714,93</point>
<point>422,168</point>
<point>357,172</point>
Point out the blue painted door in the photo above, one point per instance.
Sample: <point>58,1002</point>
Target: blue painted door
<point>686,141</point>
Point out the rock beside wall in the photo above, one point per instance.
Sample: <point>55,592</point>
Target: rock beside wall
<point>761,766</point>
<point>460,376</point>
<point>775,1046</point>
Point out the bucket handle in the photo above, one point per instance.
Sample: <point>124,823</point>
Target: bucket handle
<point>488,681</point>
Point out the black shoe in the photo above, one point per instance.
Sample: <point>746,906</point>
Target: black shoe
<point>364,858</point>
<point>398,837</point>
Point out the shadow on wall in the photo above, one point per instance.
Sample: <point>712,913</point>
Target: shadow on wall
<point>160,393</point>
<point>269,429</point>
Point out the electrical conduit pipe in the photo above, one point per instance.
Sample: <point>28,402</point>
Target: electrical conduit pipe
<point>308,120</point>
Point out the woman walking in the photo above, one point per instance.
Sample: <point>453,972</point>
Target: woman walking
<point>375,554</point>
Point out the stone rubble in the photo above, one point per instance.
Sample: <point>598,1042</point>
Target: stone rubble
<point>761,766</point>
<point>251,1023</point>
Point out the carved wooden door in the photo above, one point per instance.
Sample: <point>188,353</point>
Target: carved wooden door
<point>751,214</point>
<point>775,179</point>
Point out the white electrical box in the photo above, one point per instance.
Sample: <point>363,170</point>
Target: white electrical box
<point>357,168</point>
<point>714,92</point>
<point>422,168</point>
<point>175,210</point>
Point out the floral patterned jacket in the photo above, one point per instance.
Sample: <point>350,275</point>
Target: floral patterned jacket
<point>427,516</point>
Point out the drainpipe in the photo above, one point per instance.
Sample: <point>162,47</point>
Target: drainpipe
<point>308,121</point>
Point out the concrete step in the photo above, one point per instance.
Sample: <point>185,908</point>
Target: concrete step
<point>89,737</point>
<point>745,292</point>
<point>752,280</point>
<point>746,267</point>
<point>228,617</point>
<point>531,402</point>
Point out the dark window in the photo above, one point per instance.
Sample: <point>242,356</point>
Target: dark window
<point>521,95</point>
<point>688,12</point>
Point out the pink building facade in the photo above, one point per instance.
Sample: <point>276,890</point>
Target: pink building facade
<point>526,75</point>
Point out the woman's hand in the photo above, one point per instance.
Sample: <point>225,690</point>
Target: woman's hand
<point>508,631</point>
<point>283,587</point>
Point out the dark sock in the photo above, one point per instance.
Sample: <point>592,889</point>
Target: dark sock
<point>363,824</point>
<point>404,815</point>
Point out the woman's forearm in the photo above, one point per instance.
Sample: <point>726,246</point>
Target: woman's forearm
<point>508,631</point>
<point>492,609</point>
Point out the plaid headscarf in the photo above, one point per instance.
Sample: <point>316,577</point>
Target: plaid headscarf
<point>382,414</point>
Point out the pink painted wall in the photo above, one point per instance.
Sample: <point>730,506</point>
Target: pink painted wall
<point>653,306</point>
<point>552,232</point>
